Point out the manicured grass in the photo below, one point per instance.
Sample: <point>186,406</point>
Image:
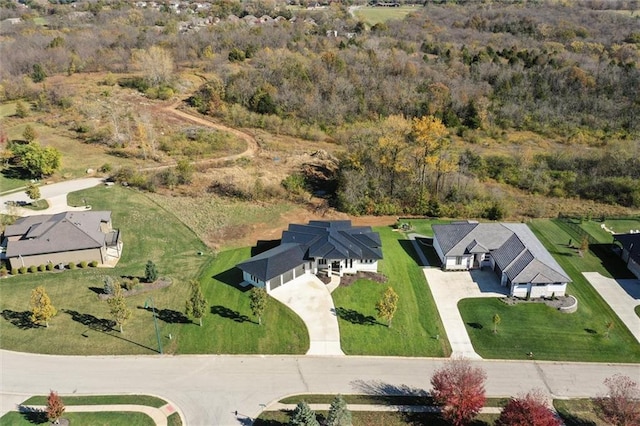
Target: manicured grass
<point>83,324</point>
<point>37,205</point>
<point>637,310</point>
<point>13,418</point>
<point>416,323</point>
<point>550,334</point>
<point>374,15</point>
<point>147,400</point>
<point>578,412</point>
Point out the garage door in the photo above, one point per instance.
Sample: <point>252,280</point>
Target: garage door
<point>299,270</point>
<point>287,276</point>
<point>275,283</point>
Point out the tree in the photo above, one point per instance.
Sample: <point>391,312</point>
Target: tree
<point>150,272</point>
<point>584,246</point>
<point>109,285</point>
<point>258,302</point>
<point>303,415</point>
<point>156,63</point>
<point>621,405</point>
<point>33,191</point>
<point>387,305</point>
<point>21,109</point>
<point>528,410</point>
<point>41,307</point>
<point>458,388</point>
<point>35,159</point>
<point>38,74</point>
<point>429,139</point>
<point>118,307</point>
<point>496,320</point>
<point>29,134</point>
<point>339,414</point>
<point>55,407</point>
<point>196,304</point>
<point>609,325</point>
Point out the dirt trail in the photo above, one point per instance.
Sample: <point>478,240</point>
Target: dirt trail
<point>252,144</point>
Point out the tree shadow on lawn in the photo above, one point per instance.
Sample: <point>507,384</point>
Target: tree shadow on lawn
<point>386,390</point>
<point>22,320</point>
<point>168,315</point>
<point>572,420</point>
<point>225,312</point>
<point>232,277</point>
<point>355,317</point>
<point>33,415</point>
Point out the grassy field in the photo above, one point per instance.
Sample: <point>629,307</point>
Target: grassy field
<point>620,226</point>
<point>578,412</point>
<point>83,324</point>
<point>549,334</point>
<point>375,15</point>
<point>416,323</point>
<point>13,418</point>
<point>151,401</point>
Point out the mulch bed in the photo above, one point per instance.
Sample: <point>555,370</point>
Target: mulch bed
<point>557,302</point>
<point>349,279</point>
<point>142,288</point>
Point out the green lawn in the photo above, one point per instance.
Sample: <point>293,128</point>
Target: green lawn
<point>416,323</point>
<point>549,334</point>
<point>13,418</point>
<point>148,400</point>
<point>83,324</point>
<point>637,310</point>
<point>374,15</point>
<point>578,412</point>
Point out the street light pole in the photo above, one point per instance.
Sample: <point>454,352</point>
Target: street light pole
<point>155,321</point>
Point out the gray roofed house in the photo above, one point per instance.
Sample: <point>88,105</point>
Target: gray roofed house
<point>61,239</point>
<point>510,249</point>
<point>630,250</point>
<point>318,247</point>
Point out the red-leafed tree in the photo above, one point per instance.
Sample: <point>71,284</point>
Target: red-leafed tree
<point>528,410</point>
<point>55,407</point>
<point>458,388</point>
<point>621,407</point>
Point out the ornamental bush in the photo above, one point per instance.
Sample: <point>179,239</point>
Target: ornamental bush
<point>71,265</point>
<point>22,269</point>
<point>14,271</point>
<point>42,268</point>
<point>50,266</point>
<point>84,264</point>
<point>93,263</point>
<point>33,269</point>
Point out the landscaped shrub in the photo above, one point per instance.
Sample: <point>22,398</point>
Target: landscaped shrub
<point>22,269</point>
<point>93,263</point>
<point>50,266</point>
<point>33,269</point>
<point>130,284</point>
<point>14,271</point>
<point>3,271</point>
<point>42,268</point>
<point>71,265</point>
<point>84,264</point>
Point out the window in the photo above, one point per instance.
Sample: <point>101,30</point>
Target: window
<point>322,261</point>
<point>458,260</point>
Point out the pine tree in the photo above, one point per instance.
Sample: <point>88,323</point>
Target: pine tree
<point>339,414</point>
<point>41,307</point>
<point>303,415</point>
<point>150,272</point>
<point>196,304</point>
<point>55,407</point>
<point>387,305</point>
<point>29,134</point>
<point>258,302</point>
<point>118,305</point>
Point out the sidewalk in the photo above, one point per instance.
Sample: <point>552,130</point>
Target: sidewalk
<point>159,415</point>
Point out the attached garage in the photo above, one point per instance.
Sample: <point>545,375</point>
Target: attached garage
<point>287,276</point>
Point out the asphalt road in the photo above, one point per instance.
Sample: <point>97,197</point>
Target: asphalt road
<point>209,388</point>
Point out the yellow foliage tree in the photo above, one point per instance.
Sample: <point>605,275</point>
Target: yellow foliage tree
<point>41,307</point>
<point>429,136</point>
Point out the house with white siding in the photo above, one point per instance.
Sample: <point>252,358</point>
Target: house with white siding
<point>629,250</point>
<point>510,249</point>
<point>331,247</point>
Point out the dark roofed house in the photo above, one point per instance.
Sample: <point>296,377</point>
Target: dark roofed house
<point>62,238</point>
<point>510,249</point>
<point>334,247</point>
<point>630,250</point>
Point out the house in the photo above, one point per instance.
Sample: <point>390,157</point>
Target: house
<point>62,238</point>
<point>332,247</point>
<point>510,249</point>
<point>630,250</point>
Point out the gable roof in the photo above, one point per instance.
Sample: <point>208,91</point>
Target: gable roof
<point>631,243</point>
<point>67,231</point>
<point>318,239</point>
<point>515,249</point>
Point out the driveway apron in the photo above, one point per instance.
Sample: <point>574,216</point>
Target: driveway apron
<point>311,300</point>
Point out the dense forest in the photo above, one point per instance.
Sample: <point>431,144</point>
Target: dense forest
<point>423,108</point>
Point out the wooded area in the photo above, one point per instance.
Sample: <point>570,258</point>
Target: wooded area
<point>422,108</point>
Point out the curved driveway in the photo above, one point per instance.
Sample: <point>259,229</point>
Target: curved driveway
<point>209,388</point>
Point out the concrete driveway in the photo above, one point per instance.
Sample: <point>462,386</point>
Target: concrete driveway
<point>311,300</point>
<point>622,295</point>
<point>448,288</point>
<point>55,194</point>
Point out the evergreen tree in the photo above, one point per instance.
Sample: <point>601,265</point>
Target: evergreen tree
<point>41,307</point>
<point>150,272</point>
<point>339,414</point>
<point>303,415</point>
<point>38,74</point>
<point>29,134</point>
<point>196,304</point>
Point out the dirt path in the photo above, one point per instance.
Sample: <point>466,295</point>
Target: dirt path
<point>252,144</point>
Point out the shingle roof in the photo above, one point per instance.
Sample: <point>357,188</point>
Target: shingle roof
<point>318,239</point>
<point>67,231</point>
<point>515,249</point>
